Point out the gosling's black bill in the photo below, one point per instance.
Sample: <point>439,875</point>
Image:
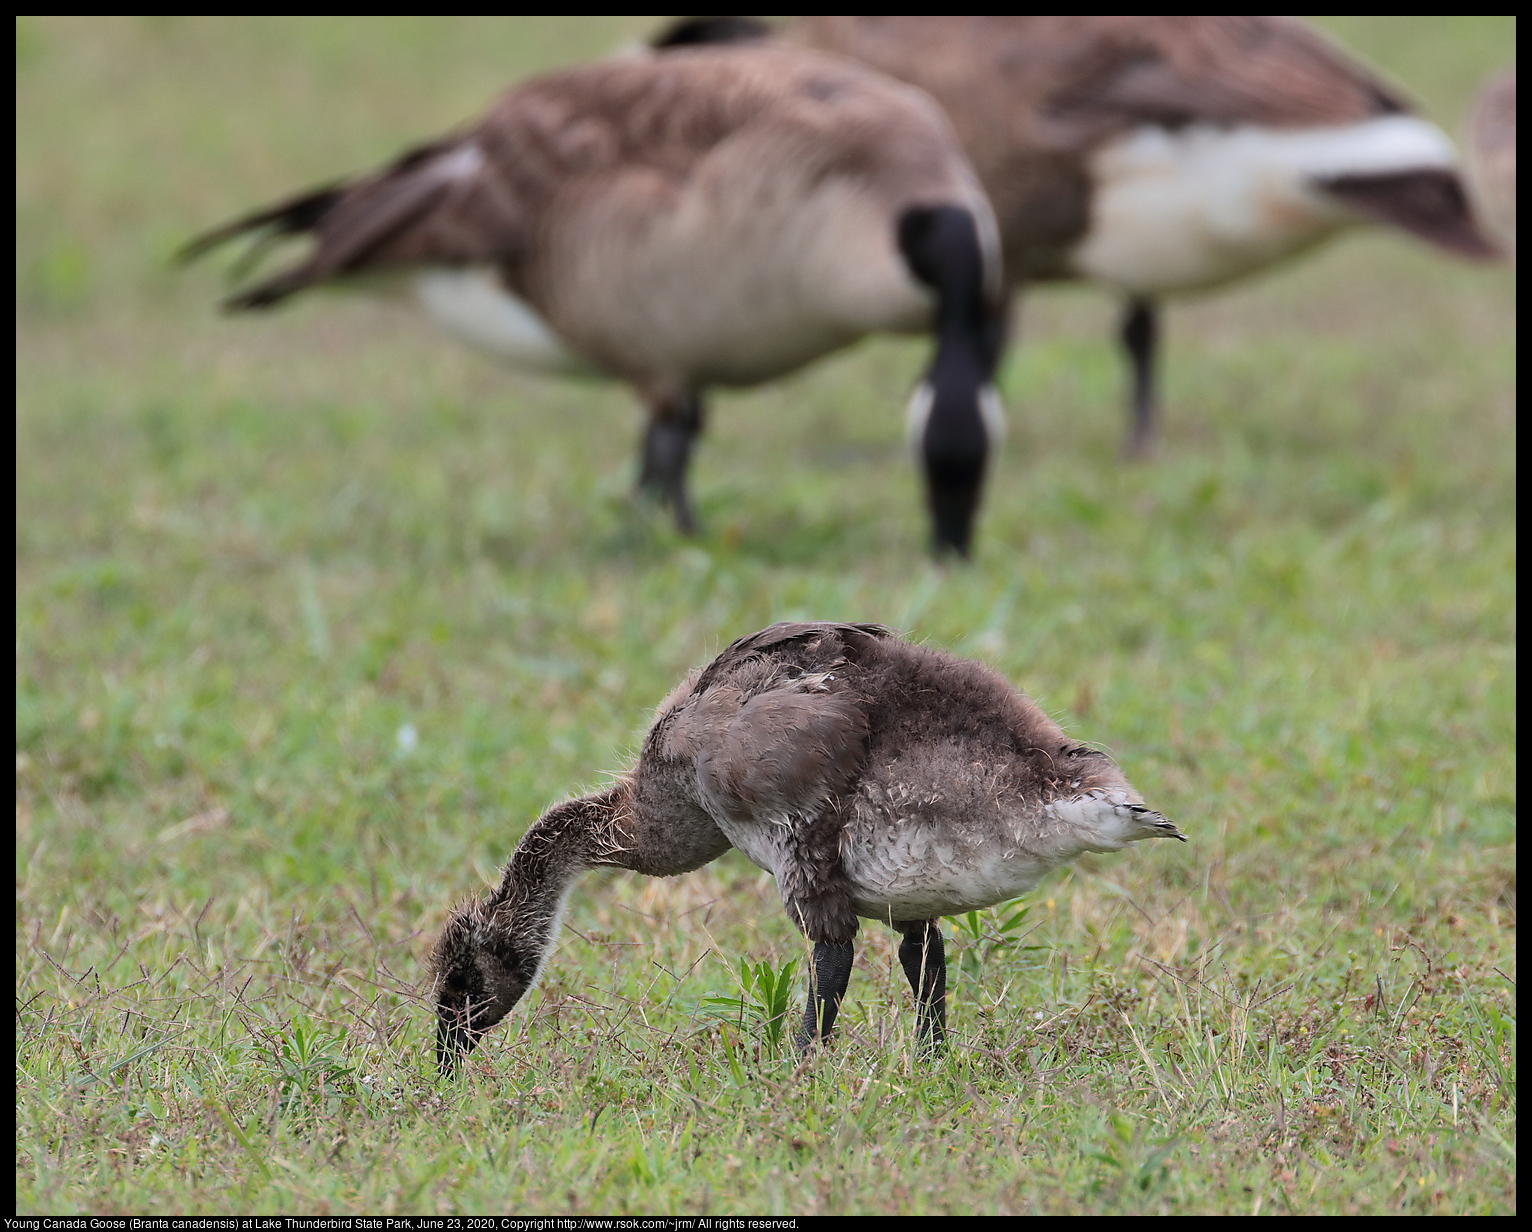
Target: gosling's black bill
<point>454,1041</point>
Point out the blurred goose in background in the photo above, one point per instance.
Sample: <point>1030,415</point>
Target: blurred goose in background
<point>873,778</point>
<point>1157,155</point>
<point>719,216</point>
<point>1490,144</point>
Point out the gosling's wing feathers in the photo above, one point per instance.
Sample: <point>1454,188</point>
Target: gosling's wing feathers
<point>786,754</point>
<point>772,723</point>
<point>826,643</point>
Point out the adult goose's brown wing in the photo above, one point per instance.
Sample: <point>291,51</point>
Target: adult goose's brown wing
<point>1223,70</point>
<point>437,203</point>
<point>483,194</point>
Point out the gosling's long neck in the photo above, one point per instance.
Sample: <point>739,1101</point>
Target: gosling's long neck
<point>522,915</point>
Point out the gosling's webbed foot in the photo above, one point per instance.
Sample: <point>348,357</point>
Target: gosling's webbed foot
<point>827,986</point>
<point>924,959</point>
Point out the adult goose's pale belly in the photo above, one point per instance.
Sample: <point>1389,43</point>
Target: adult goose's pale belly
<point>735,285</point>
<point>696,339</point>
<point>472,304</point>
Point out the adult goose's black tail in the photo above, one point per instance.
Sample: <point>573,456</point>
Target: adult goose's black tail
<point>352,222</point>
<point>1427,202</point>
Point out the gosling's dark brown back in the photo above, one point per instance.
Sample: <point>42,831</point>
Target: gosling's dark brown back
<point>826,700</point>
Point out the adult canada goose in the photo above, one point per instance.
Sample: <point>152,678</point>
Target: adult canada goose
<point>1490,143</point>
<point>874,778</point>
<point>1158,155</point>
<point>720,216</point>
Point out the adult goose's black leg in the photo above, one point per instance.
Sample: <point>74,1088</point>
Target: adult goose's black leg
<point>827,985</point>
<point>674,424</point>
<point>1140,338</point>
<point>924,960</point>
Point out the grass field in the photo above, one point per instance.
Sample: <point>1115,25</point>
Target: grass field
<point>316,611</point>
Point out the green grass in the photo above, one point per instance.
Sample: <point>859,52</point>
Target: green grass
<point>316,611</point>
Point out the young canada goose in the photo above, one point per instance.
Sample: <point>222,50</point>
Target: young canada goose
<point>872,777</point>
<point>1158,155</point>
<point>719,216</point>
<point>1490,143</point>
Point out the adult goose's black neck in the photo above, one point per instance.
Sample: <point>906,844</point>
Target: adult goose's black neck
<point>941,245</point>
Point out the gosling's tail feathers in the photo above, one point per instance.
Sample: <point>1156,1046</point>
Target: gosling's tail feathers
<point>1109,820</point>
<point>1156,825</point>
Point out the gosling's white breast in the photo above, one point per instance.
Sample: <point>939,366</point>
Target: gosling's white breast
<point>1186,209</point>
<point>917,851</point>
<point>919,873</point>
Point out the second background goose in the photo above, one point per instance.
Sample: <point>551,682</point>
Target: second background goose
<point>1158,155</point>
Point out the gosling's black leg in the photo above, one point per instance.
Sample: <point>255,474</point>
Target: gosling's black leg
<point>827,985</point>
<point>924,960</point>
<point>674,423</point>
<point>1140,338</point>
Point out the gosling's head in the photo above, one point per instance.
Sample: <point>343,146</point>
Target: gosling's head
<point>478,978</point>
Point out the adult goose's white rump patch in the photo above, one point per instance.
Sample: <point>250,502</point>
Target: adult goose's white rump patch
<point>472,304</point>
